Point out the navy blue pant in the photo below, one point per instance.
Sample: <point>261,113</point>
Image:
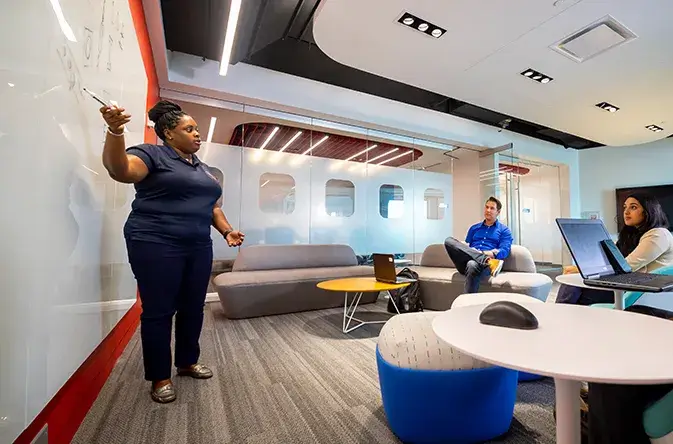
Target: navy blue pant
<point>171,281</point>
<point>468,261</point>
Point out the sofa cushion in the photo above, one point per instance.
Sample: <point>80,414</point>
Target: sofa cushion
<point>435,255</point>
<point>509,279</point>
<point>283,257</point>
<point>263,277</point>
<point>519,259</point>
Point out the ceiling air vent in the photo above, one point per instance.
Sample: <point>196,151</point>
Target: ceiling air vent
<point>605,34</point>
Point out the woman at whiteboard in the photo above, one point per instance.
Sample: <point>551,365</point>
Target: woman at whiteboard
<point>168,237</point>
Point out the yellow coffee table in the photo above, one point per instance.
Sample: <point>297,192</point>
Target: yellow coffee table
<point>359,286</point>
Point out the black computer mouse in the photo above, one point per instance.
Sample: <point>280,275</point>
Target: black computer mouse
<point>509,315</point>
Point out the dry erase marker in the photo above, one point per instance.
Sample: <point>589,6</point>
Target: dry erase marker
<point>98,99</point>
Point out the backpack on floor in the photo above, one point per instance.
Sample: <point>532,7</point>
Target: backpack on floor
<point>407,299</point>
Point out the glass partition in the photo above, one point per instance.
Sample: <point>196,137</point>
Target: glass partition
<point>290,179</point>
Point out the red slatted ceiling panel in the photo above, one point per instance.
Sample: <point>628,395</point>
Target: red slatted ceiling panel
<point>253,135</point>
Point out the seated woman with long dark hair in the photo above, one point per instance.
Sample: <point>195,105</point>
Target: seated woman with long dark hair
<point>644,240</point>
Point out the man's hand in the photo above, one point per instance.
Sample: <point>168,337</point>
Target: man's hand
<point>490,254</point>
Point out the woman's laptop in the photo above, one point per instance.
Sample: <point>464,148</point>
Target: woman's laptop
<point>583,238</point>
<point>384,269</point>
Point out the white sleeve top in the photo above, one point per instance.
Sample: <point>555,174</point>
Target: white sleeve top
<point>655,250</point>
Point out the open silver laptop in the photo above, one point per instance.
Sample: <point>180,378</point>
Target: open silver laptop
<point>583,238</point>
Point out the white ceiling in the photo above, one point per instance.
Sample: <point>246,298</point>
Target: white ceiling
<point>489,43</point>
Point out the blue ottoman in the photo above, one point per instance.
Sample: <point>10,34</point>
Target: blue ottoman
<point>434,394</point>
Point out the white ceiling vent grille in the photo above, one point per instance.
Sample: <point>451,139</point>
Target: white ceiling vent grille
<point>594,39</point>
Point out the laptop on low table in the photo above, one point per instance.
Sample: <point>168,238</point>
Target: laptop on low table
<point>384,269</point>
<point>584,238</point>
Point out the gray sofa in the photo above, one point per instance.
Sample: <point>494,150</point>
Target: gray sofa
<point>276,279</point>
<point>441,283</point>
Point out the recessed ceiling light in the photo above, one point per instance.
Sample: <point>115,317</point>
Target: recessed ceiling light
<point>11,85</point>
<point>537,76</point>
<point>654,128</point>
<point>607,107</point>
<point>424,26</point>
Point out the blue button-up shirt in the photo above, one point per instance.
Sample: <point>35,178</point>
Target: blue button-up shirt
<point>496,237</point>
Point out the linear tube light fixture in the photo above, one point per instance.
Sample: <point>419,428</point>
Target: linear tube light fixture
<point>211,129</point>
<point>396,157</point>
<point>268,139</point>
<point>232,22</point>
<point>382,155</point>
<point>315,145</point>
<point>361,153</point>
<point>290,142</point>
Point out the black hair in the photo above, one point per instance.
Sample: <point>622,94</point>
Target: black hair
<point>497,203</point>
<point>653,217</point>
<point>165,115</point>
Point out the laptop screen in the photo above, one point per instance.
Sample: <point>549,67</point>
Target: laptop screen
<point>583,237</point>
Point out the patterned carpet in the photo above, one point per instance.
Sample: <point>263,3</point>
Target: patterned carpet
<point>283,379</point>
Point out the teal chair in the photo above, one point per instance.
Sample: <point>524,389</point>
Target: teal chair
<point>631,297</point>
<point>658,420</point>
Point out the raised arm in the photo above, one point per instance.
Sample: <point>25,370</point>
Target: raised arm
<point>122,167</point>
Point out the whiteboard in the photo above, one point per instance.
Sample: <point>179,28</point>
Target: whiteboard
<point>65,277</point>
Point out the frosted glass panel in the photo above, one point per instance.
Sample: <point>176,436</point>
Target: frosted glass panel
<point>279,215</point>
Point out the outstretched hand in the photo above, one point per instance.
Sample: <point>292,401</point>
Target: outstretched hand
<point>115,118</point>
<point>235,238</point>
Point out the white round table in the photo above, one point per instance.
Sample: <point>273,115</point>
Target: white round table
<point>562,348</point>
<point>576,280</point>
<point>486,298</point>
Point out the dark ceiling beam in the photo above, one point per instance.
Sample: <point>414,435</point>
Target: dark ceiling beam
<point>258,25</point>
<point>309,20</point>
<point>293,18</point>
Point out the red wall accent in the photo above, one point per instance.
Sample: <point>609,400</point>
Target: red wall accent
<point>67,409</point>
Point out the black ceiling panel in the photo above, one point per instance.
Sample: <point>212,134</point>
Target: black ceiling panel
<point>278,35</point>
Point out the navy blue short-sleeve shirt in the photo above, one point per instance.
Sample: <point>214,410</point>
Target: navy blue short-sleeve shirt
<point>174,203</point>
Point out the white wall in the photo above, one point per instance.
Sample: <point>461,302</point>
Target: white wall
<point>258,86</point>
<point>602,170</point>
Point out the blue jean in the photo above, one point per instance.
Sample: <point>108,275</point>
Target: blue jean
<point>469,262</point>
<point>171,281</point>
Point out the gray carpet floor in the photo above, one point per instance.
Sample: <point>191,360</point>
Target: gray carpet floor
<point>282,379</point>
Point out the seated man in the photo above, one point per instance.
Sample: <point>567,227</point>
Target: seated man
<point>489,244</point>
